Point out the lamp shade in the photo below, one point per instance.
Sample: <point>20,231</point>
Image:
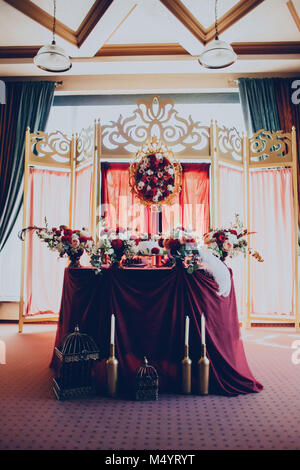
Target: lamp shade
<point>52,58</point>
<point>217,55</point>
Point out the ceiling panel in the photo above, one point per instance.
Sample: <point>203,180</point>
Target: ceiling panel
<point>150,23</point>
<point>24,32</point>
<point>268,22</point>
<point>69,12</point>
<point>204,10</point>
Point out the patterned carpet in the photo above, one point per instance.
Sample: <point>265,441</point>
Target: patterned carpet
<point>31,418</point>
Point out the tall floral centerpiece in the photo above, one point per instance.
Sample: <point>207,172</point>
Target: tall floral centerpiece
<point>111,246</point>
<point>183,248</point>
<point>67,242</point>
<point>228,242</point>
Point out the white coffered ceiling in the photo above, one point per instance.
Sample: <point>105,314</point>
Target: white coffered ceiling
<point>121,37</point>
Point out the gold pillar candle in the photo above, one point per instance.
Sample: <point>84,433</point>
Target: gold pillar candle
<point>186,372</point>
<point>112,372</point>
<point>203,372</point>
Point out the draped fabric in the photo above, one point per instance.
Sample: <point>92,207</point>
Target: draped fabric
<point>150,308</point>
<point>288,102</point>
<point>27,104</point>
<point>119,206</point>
<point>259,106</point>
<point>272,282</point>
<point>191,207</point>
<point>231,202</point>
<point>48,196</point>
<point>267,104</point>
<point>272,104</point>
<point>83,195</point>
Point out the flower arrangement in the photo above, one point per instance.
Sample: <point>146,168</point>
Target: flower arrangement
<point>155,177</point>
<point>183,248</point>
<point>228,242</point>
<point>67,242</point>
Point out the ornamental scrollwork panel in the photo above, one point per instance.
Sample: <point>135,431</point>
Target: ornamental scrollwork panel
<point>274,147</point>
<point>229,144</point>
<point>49,148</point>
<point>85,143</point>
<point>156,118</point>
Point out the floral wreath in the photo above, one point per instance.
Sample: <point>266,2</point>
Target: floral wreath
<point>155,176</point>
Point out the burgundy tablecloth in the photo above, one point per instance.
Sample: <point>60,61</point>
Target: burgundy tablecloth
<point>150,308</point>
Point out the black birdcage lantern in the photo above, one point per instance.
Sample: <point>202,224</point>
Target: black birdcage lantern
<point>77,355</point>
<point>146,382</point>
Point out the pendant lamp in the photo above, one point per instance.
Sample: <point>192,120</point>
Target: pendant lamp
<point>217,54</point>
<point>51,57</point>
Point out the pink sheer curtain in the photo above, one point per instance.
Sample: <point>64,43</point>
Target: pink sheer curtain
<point>83,203</point>
<point>48,196</point>
<point>231,201</point>
<point>272,282</point>
<point>83,198</point>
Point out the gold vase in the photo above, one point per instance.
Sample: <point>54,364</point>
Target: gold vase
<point>186,372</point>
<point>203,372</point>
<point>112,372</point>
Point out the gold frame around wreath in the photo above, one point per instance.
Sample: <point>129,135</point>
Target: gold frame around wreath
<point>155,146</point>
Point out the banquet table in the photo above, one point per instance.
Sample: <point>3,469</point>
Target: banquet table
<point>150,306</point>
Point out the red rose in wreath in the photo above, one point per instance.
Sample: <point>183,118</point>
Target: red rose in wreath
<point>161,242</point>
<point>117,244</point>
<point>153,179</point>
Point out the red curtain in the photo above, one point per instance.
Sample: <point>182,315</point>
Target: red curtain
<point>119,206</point>
<point>191,208</point>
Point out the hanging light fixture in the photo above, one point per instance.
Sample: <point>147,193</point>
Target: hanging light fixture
<point>51,57</point>
<point>217,54</point>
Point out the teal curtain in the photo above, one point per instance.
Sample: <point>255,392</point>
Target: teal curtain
<point>27,104</point>
<point>258,100</point>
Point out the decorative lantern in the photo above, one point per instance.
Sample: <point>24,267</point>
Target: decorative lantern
<point>146,383</point>
<point>77,355</point>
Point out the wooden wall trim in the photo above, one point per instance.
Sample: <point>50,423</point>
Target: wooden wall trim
<point>265,48</point>
<point>115,50</point>
<point>121,50</point>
